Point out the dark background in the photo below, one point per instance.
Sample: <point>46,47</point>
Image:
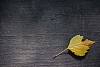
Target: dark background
<point>33,31</point>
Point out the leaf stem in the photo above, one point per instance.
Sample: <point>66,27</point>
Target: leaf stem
<point>59,53</point>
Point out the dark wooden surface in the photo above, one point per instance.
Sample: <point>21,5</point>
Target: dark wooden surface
<point>33,31</point>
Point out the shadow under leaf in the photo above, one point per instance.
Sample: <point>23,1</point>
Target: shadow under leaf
<point>75,56</point>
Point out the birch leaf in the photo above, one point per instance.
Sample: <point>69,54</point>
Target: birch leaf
<point>79,47</point>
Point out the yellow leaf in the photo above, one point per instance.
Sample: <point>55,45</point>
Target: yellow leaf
<point>79,47</point>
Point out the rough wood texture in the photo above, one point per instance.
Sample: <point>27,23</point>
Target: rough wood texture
<point>33,31</point>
